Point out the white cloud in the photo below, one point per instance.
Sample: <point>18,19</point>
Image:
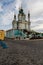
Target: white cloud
<point>37,8</point>
<point>38,28</point>
<point>7,18</point>
<point>34,6</point>
<point>1,9</point>
<point>18,4</point>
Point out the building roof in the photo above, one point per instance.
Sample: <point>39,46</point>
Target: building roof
<point>21,11</point>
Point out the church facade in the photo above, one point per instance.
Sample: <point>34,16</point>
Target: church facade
<point>20,27</point>
<point>21,23</point>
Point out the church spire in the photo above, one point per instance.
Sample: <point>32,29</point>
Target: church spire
<point>28,16</point>
<point>21,10</point>
<point>15,17</point>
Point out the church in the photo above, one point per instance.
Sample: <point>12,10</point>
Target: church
<point>20,27</point>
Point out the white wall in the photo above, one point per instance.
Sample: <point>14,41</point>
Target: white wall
<point>21,26</point>
<point>15,25</point>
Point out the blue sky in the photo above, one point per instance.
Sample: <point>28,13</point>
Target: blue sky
<point>10,7</point>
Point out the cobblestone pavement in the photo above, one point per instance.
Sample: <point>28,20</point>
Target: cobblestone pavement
<point>22,53</point>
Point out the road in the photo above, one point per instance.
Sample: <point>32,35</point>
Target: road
<point>22,52</point>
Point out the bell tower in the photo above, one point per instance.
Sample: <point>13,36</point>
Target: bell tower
<point>21,15</point>
<point>15,17</point>
<point>29,16</point>
<point>14,23</point>
<point>29,21</point>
